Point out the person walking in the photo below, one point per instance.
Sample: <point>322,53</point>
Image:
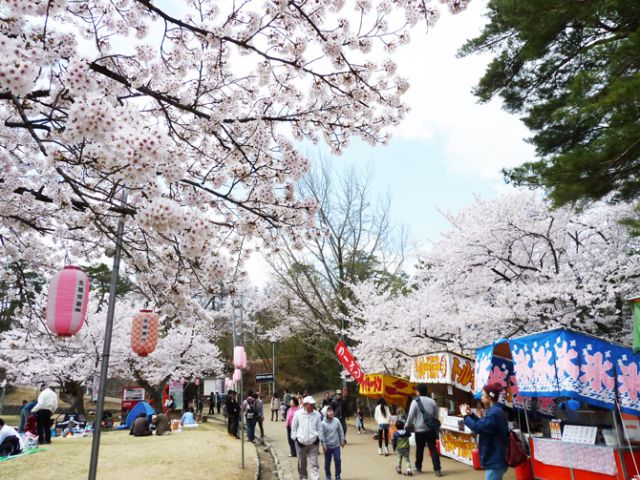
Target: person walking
<point>260,412</point>
<point>45,406</point>
<point>360,419</point>
<point>421,408</point>
<point>492,430</point>
<point>212,402</point>
<point>402,446</point>
<point>233,413</point>
<point>293,408</point>
<point>382,416</point>
<point>332,441</point>
<point>218,402</point>
<point>275,407</point>
<point>339,406</point>
<point>326,402</point>
<point>250,416</point>
<point>306,431</point>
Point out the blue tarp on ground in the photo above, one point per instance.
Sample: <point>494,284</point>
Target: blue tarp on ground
<point>141,407</point>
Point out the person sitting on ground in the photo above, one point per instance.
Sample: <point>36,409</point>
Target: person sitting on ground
<point>161,422</point>
<point>10,441</point>
<point>140,428</point>
<point>187,419</point>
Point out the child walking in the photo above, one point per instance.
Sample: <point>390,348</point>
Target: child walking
<point>402,447</point>
<point>332,438</point>
<point>360,419</point>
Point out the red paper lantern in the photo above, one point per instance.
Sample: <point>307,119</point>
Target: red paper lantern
<point>144,332</point>
<point>67,301</point>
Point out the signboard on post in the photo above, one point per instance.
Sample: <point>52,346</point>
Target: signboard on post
<point>264,377</point>
<point>349,362</point>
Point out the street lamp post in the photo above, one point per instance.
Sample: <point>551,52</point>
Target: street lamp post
<point>106,351</point>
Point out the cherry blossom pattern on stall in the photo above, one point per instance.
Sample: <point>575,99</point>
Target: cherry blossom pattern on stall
<point>67,301</point>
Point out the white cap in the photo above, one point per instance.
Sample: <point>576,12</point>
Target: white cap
<point>309,399</point>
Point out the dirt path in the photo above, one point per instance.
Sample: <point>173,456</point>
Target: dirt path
<point>360,460</point>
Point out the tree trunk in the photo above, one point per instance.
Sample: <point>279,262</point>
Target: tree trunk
<point>72,392</point>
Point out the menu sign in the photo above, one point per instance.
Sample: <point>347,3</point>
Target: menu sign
<point>579,434</point>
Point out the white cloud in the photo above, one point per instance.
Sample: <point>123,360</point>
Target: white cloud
<point>478,139</point>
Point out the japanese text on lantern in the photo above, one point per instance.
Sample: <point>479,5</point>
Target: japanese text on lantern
<point>349,362</point>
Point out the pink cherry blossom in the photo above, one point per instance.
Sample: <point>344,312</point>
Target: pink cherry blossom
<point>498,375</point>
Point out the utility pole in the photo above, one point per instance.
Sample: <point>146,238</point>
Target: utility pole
<point>273,368</point>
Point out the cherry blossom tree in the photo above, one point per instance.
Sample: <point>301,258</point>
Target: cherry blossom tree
<point>191,108</point>
<point>506,266</point>
<point>31,354</point>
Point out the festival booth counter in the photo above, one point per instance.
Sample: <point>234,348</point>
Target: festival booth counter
<point>580,398</point>
<point>450,379</point>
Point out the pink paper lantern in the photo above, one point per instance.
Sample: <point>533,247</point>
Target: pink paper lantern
<point>228,384</point>
<point>67,301</point>
<point>239,357</point>
<point>237,375</point>
<point>197,382</point>
<point>144,332</point>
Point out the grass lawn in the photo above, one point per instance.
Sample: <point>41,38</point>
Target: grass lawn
<point>200,453</point>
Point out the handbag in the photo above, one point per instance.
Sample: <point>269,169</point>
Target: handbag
<point>430,421</point>
<point>516,455</point>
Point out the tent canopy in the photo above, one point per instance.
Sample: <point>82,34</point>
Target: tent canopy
<point>395,390</point>
<point>565,363</point>
<point>140,407</point>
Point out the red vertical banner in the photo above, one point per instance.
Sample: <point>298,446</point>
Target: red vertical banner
<point>349,362</point>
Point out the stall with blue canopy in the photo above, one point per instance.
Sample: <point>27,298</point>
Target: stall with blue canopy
<point>588,391</point>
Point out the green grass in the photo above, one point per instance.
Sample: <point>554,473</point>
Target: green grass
<point>205,452</point>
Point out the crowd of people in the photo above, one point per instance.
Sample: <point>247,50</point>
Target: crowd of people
<point>310,429</point>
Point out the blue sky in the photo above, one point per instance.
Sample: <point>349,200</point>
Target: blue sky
<point>449,147</point>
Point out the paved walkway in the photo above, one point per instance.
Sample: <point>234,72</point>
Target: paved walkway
<point>360,459</point>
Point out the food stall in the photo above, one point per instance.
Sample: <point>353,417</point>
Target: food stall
<point>450,379</point>
<point>395,390</point>
<point>580,396</point>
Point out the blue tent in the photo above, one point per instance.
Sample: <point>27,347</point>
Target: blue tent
<point>140,407</point>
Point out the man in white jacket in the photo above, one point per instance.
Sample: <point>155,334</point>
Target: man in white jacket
<point>306,432</point>
<point>47,404</point>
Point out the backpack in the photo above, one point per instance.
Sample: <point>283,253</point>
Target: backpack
<point>250,413</point>
<point>516,454</point>
<point>430,421</point>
